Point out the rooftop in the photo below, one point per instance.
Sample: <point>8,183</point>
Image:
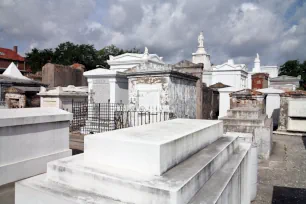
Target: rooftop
<point>9,54</point>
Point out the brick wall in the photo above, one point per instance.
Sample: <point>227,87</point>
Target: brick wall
<point>5,63</point>
<point>60,75</point>
<point>260,81</point>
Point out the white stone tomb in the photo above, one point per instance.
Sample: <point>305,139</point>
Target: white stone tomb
<point>62,97</point>
<point>29,139</point>
<point>175,162</point>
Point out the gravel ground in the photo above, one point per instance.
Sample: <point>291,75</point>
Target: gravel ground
<point>282,179</point>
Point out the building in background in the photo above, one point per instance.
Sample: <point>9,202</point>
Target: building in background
<point>17,90</point>
<point>286,83</point>
<point>7,56</point>
<point>231,74</point>
<point>228,73</point>
<point>272,71</point>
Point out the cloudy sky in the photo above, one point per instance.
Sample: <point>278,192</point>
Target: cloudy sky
<point>237,29</point>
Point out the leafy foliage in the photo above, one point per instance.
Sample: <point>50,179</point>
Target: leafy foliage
<point>38,58</point>
<point>294,68</point>
<point>69,53</point>
<point>104,54</point>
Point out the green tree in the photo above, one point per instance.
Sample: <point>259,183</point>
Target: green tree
<point>68,53</point>
<point>38,58</point>
<point>105,52</point>
<point>294,68</point>
<point>291,68</point>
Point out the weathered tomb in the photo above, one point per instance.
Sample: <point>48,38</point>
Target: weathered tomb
<point>247,115</point>
<point>195,70</point>
<point>272,104</point>
<point>293,111</point>
<point>163,88</point>
<point>286,83</point>
<point>178,161</point>
<point>62,97</point>
<point>29,139</point>
<point>112,84</point>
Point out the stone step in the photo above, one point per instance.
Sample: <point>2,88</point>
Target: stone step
<point>240,128</point>
<point>227,120</point>
<point>165,144</point>
<point>176,186</point>
<point>226,186</point>
<point>244,137</point>
<point>38,189</point>
<point>251,113</point>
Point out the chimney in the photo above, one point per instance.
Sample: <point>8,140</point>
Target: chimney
<point>15,49</point>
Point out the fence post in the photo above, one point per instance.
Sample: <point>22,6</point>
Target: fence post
<point>108,112</point>
<point>149,115</point>
<point>99,120</point>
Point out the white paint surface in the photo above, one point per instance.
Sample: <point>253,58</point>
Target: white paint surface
<point>231,74</point>
<point>62,97</point>
<point>129,60</point>
<point>220,166</point>
<point>224,100</point>
<point>162,142</point>
<point>272,103</point>
<point>106,84</point>
<point>29,138</point>
<point>27,116</point>
<point>13,71</point>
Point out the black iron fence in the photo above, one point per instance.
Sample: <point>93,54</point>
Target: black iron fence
<point>90,118</point>
<point>3,105</point>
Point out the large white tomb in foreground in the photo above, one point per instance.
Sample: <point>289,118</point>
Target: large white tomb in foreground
<point>174,162</point>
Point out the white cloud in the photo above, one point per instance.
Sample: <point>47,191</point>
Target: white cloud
<point>248,7</point>
<point>233,29</point>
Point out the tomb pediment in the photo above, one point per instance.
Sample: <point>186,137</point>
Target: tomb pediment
<point>185,63</point>
<point>227,66</point>
<point>134,57</point>
<point>246,92</point>
<point>285,78</point>
<point>126,57</point>
<point>101,71</point>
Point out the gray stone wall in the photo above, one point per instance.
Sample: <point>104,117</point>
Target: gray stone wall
<point>210,103</point>
<point>186,66</point>
<point>176,94</point>
<point>182,97</point>
<point>248,98</point>
<point>283,115</point>
<point>163,81</point>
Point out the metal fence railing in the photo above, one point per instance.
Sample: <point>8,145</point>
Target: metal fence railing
<point>3,105</point>
<point>90,118</point>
